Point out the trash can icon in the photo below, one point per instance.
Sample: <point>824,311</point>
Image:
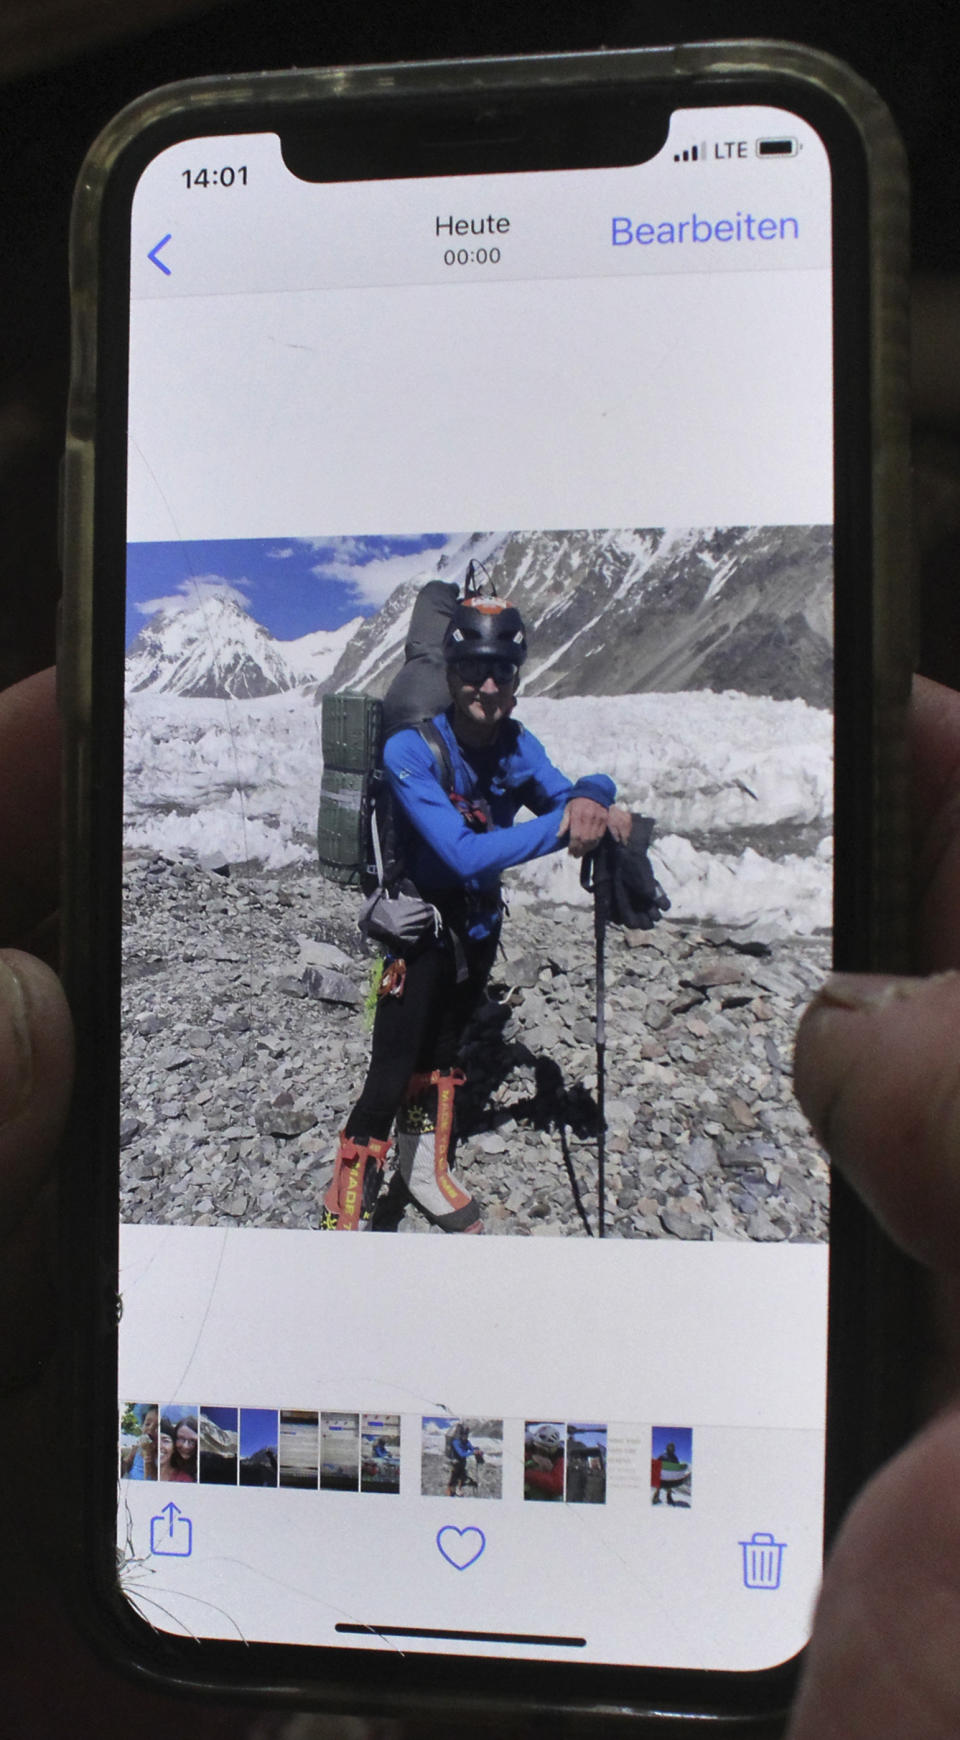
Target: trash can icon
<point>762,1561</point>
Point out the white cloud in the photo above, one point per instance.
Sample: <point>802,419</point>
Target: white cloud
<point>281,555</point>
<point>374,578</point>
<point>192,592</point>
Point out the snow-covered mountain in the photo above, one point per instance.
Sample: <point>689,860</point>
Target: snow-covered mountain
<point>607,613</point>
<point>314,657</point>
<point>212,647</point>
<point>625,612</point>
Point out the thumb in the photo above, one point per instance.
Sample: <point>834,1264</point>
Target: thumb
<point>36,1067</point>
<point>883,1659</point>
<point>877,1071</point>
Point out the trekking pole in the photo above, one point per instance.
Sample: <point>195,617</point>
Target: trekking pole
<point>596,876</point>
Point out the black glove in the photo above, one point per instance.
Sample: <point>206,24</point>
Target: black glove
<point>621,876</point>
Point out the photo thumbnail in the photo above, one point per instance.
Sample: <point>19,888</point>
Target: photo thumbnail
<point>219,1437</point>
<point>139,1426</point>
<point>543,1460</point>
<point>681,679</point>
<point>671,1467</point>
<point>380,1453</point>
<point>259,1435</point>
<point>586,1464</point>
<point>461,1458</point>
<point>299,1448</point>
<point>340,1452</point>
<point>178,1442</point>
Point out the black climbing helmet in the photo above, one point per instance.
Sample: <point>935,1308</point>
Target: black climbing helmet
<point>486,628</point>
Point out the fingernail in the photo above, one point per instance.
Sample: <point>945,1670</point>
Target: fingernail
<point>866,992</point>
<point>16,1056</point>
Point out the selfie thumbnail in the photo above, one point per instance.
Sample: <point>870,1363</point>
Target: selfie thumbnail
<point>671,1466</point>
<point>543,1460</point>
<point>178,1442</point>
<point>461,1458</point>
<point>139,1423</point>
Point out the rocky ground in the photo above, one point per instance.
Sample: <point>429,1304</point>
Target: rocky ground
<point>246,1042</point>
<point>483,1481</point>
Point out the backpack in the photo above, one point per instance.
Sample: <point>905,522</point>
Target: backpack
<point>356,836</point>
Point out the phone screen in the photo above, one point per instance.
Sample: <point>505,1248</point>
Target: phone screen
<point>595,1433</point>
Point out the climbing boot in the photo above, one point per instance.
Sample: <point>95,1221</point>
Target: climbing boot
<point>391,1206</point>
<point>355,1185</point>
<point>424,1142</point>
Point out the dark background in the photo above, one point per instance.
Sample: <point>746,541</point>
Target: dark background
<point>68,66</point>
<point>65,67</point>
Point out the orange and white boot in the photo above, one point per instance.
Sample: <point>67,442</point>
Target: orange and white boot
<point>355,1185</point>
<point>423,1153</point>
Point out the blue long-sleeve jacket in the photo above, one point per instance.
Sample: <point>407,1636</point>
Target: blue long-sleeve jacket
<point>440,850</point>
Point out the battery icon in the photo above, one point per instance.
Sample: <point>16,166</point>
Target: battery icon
<point>777,147</point>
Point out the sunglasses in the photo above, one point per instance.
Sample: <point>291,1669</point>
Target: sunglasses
<point>475,672</point>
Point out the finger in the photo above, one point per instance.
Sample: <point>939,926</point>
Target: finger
<point>877,1071</point>
<point>883,1659</point>
<point>29,804</point>
<point>583,837</point>
<point>935,793</point>
<point>36,1064</point>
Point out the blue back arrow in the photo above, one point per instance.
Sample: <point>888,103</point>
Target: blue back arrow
<point>154,251</point>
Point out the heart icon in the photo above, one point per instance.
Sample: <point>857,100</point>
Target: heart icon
<point>461,1547</point>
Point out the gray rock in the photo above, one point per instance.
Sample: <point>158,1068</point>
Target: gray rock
<point>174,1058</point>
<point>524,972</point>
<point>321,954</point>
<point>330,987</point>
<point>761,1227</point>
<point>700,1154</point>
<point>291,987</point>
<point>491,1143</point>
<point>719,973</point>
<point>680,1226</point>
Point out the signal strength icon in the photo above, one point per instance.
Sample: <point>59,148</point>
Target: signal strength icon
<point>693,154</point>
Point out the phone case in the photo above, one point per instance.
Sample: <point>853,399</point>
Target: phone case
<point>871,1404</point>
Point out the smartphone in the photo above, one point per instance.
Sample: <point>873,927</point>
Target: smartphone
<point>615,340</point>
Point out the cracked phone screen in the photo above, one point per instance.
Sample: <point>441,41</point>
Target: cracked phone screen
<point>477,863</point>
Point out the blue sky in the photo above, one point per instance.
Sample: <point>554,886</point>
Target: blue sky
<point>681,1437</point>
<point>225,1418</point>
<point>291,586</point>
<point>258,1430</point>
<point>177,1411</point>
<point>593,1436</point>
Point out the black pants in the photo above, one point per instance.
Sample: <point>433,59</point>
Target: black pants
<point>418,1031</point>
